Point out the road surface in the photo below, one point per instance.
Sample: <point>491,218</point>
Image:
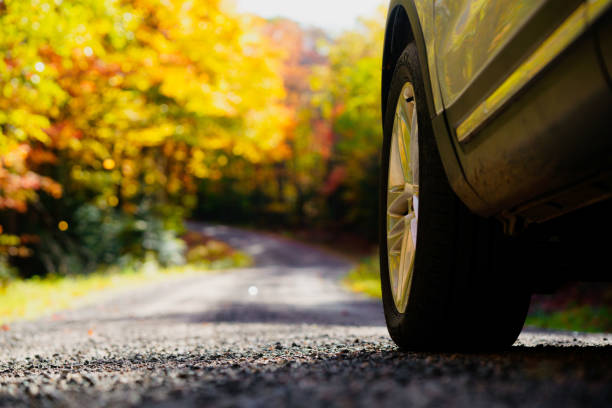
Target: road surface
<point>282,333</point>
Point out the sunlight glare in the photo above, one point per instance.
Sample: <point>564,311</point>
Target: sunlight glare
<point>333,16</point>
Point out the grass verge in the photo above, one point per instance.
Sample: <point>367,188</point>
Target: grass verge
<point>584,318</point>
<point>37,297</point>
<point>365,277</point>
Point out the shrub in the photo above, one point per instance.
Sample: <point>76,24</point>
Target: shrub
<point>7,273</point>
<point>102,237</point>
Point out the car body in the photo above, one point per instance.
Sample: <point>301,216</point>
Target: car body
<point>496,162</point>
<point>519,93</point>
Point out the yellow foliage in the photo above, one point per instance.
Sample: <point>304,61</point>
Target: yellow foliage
<point>106,85</point>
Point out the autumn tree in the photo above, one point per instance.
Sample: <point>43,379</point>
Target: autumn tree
<point>330,177</point>
<point>347,92</point>
<point>119,106</point>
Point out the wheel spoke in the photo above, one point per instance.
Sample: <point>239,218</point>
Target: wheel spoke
<point>399,200</point>
<point>400,141</point>
<point>396,171</point>
<point>400,206</point>
<point>397,230</point>
<point>405,266</point>
<point>414,147</point>
<point>395,236</point>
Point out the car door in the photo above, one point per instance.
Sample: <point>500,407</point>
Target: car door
<point>523,89</point>
<point>479,43</point>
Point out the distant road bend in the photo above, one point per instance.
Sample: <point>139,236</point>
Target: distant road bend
<point>282,333</point>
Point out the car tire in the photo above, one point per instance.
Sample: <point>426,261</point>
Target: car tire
<point>460,286</point>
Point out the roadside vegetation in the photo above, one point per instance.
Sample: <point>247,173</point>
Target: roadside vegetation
<point>576,307</point>
<point>121,119</point>
<point>577,317</point>
<point>365,277</point>
<point>43,296</point>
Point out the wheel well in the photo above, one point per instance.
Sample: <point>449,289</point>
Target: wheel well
<point>403,27</point>
<point>397,36</point>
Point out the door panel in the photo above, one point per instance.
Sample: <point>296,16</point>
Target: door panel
<point>470,33</point>
<point>596,8</point>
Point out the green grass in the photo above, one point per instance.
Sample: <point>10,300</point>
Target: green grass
<point>365,278</point>
<point>37,297</point>
<point>585,318</point>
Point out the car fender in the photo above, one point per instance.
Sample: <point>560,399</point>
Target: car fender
<point>413,21</point>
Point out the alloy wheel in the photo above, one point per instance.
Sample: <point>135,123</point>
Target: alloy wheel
<point>403,197</point>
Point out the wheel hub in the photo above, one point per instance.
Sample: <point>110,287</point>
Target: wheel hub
<point>403,197</point>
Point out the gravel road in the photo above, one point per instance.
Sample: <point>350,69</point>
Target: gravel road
<point>283,333</point>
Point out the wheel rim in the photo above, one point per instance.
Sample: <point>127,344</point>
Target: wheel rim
<point>403,197</point>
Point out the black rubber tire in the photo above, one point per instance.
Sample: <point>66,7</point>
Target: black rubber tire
<point>466,291</point>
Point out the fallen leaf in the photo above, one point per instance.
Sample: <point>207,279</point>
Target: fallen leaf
<point>5,327</point>
<point>90,332</point>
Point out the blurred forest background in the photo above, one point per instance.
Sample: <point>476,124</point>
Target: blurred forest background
<point>120,119</point>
